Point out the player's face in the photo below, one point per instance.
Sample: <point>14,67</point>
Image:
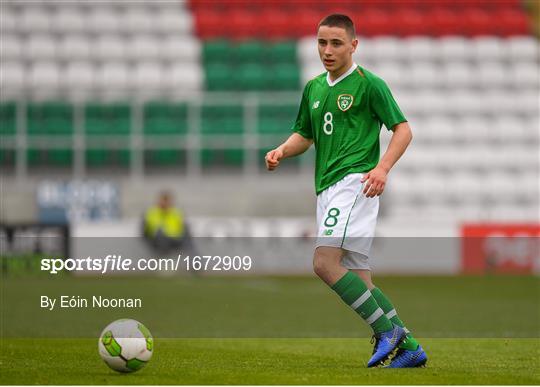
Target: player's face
<point>335,49</point>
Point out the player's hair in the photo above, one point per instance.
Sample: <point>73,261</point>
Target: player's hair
<point>339,20</point>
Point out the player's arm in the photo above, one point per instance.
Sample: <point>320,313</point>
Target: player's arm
<point>295,145</point>
<point>376,178</point>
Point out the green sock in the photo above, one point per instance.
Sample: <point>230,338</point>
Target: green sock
<point>409,343</point>
<point>355,293</point>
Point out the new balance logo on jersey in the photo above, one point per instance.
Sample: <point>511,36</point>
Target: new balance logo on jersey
<point>344,102</point>
<point>315,105</point>
<point>328,232</point>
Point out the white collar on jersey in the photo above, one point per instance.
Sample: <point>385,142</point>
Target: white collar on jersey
<point>341,77</point>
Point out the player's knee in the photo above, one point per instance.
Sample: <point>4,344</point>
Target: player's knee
<point>323,262</point>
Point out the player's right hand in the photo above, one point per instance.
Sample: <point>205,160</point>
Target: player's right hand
<point>272,159</point>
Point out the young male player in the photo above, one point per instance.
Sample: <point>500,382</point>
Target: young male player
<point>342,112</point>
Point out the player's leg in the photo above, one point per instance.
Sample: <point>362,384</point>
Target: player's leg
<point>337,213</point>
<point>411,353</point>
<point>352,290</point>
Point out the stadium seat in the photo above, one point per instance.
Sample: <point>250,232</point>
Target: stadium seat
<point>165,118</point>
<point>492,74</point>
<point>277,24</point>
<point>75,47</point>
<point>12,77</point>
<point>50,118</point>
<point>50,157</point>
<point>524,75</point>
<point>454,48</point>
<point>8,115</point>
<point>103,19</point>
<point>512,22</point>
<point>219,77</point>
<point>183,77</point>
<point>34,20</point>
<point>8,21</point>
<point>107,158</point>
<point>283,77</point>
<point>107,119</point>
<point>216,51</point>
<point>281,52</point>
<point>139,21</point>
<point>44,77</point>
<point>276,119</point>
<point>251,76</point>
<point>222,157</point>
<point>457,75</point>
<point>110,48</point>
<point>420,49</point>
<point>181,48</point>
<point>11,48</point>
<point>487,48</point>
<point>148,77</point>
<point>113,77</point>
<point>164,157</point>
<point>40,48</point>
<point>79,76</point>
<point>522,48</point>
<point>222,119</point>
<point>143,48</point>
<point>249,51</point>
<point>69,21</point>
<point>178,22</point>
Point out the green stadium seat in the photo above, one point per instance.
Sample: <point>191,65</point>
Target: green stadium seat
<point>50,157</point>
<point>107,119</point>
<point>50,118</point>
<point>286,77</point>
<point>250,51</point>
<point>8,118</point>
<point>276,119</point>
<point>252,76</point>
<point>164,157</point>
<point>219,77</point>
<point>107,157</point>
<point>216,51</point>
<point>165,118</point>
<point>282,52</point>
<point>222,119</point>
<point>222,157</point>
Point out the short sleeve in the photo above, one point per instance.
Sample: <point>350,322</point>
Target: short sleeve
<point>384,105</point>
<point>302,125</point>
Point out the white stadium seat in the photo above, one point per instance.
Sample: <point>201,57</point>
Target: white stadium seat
<point>8,21</point>
<point>12,77</point>
<point>79,75</point>
<point>474,129</point>
<point>142,48</point>
<point>307,50</point>
<point>44,77</point>
<point>103,20</point>
<point>524,75</point>
<point>523,48</point>
<point>457,75</point>
<point>10,47</point>
<point>174,21</point>
<point>419,49</point>
<point>393,74</point>
<point>487,48</point>
<point>148,76</point>
<point>184,77</point>
<point>438,129</point>
<point>422,75</point>
<point>113,77</point>
<point>69,21</point>
<point>386,49</point>
<point>185,48</point>
<point>34,20</point>
<point>75,47</point>
<point>40,47</point>
<point>507,129</point>
<point>311,71</point>
<point>137,21</point>
<point>491,74</point>
<point>110,47</point>
<point>453,49</point>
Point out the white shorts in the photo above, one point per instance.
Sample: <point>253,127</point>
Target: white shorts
<point>346,218</point>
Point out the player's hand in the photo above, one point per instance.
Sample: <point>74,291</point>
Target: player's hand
<point>374,180</point>
<point>272,159</point>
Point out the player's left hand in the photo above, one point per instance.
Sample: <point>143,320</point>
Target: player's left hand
<point>374,180</point>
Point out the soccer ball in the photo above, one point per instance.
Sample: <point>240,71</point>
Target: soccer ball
<point>126,345</point>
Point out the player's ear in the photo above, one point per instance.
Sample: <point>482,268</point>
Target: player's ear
<point>354,44</point>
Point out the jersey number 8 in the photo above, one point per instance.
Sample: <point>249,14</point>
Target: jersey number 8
<point>328,126</point>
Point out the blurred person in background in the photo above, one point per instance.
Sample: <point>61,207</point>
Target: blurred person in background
<point>342,112</point>
<point>164,226</point>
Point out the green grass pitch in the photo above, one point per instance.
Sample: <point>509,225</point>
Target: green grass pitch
<point>273,330</point>
<point>272,361</point>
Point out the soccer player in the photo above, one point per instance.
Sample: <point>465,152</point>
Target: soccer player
<point>341,113</point>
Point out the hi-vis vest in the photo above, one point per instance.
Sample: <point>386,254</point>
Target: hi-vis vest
<point>170,222</point>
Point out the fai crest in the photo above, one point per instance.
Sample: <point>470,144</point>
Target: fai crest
<point>344,102</point>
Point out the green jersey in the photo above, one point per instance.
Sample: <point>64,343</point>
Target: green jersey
<point>344,119</point>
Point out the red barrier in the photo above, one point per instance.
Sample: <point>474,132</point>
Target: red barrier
<point>500,248</point>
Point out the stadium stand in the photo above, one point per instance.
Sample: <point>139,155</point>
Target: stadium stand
<point>194,82</point>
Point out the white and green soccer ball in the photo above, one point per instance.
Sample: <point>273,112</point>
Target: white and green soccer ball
<point>126,345</point>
